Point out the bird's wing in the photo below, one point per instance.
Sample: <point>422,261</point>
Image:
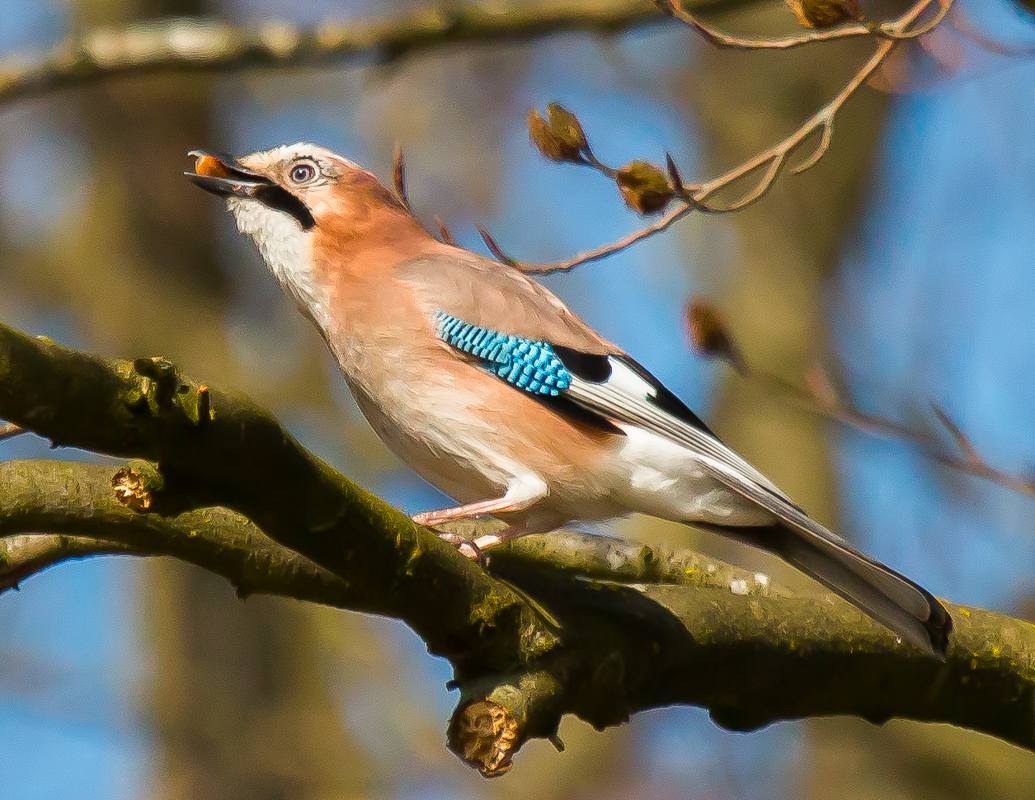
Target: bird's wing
<point>619,390</point>
<point>489,310</point>
<point>494,296</point>
<point>622,390</point>
<point>631,395</point>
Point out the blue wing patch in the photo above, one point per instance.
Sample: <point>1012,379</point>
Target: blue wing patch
<point>529,365</point>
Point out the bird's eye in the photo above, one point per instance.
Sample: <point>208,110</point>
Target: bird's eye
<point>302,172</point>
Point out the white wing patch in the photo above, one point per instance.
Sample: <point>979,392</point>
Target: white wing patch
<point>626,396</point>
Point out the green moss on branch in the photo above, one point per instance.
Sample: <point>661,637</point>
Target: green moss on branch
<point>240,457</point>
<point>649,629</point>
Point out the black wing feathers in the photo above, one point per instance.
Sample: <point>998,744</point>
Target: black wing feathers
<point>579,413</point>
<point>597,369</point>
<point>666,400</point>
<point>588,366</point>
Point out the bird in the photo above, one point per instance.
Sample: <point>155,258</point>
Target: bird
<point>489,387</point>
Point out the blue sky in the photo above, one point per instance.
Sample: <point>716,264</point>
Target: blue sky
<point>932,302</point>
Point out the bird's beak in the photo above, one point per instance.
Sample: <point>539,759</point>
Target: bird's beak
<point>223,176</point>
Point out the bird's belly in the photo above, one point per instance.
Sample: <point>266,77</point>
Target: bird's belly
<point>440,440</point>
<point>440,434</point>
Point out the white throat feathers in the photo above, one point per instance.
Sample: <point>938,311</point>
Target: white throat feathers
<point>287,251</point>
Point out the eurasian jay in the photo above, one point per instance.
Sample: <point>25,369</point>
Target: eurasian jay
<point>490,388</point>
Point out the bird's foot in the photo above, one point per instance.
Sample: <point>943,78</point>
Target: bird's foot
<point>466,546</point>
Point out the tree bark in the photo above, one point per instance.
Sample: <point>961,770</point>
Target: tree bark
<point>531,639</point>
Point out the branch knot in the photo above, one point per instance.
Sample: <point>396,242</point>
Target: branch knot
<point>484,735</point>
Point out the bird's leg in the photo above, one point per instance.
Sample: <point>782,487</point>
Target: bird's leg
<point>488,540</point>
<point>523,492</point>
<point>483,508</point>
<point>472,548</point>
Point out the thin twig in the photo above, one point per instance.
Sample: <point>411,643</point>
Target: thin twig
<point>821,148</point>
<point>849,30</point>
<point>493,246</point>
<point>823,119</point>
<point>443,232</point>
<point>968,461</point>
<point>598,165</point>
<point>672,216</point>
<point>773,159</point>
<point>399,176</point>
<point>963,442</point>
<point>711,337</point>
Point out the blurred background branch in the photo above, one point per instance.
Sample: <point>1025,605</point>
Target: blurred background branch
<point>711,338</point>
<point>192,44</point>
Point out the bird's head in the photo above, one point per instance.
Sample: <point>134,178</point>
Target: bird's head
<point>302,182</point>
<point>305,208</point>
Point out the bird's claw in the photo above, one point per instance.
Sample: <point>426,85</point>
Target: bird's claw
<point>466,547</point>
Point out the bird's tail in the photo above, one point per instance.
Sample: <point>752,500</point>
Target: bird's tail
<point>892,599</point>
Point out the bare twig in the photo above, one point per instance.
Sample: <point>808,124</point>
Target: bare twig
<point>671,216</point>
<point>966,447</point>
<point>711,338</point>
<point>675,9</point>
<point>399,176</point>
<point>968,461</point>
<point>443,232</point>
<point>771,161</point>
<point>494,247</point>
<point>889,30</point>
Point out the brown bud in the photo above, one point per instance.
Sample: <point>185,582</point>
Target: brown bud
<point>825,13</point>
<point>709,334</point>
<point>559,137</point>
<point>644,187</point>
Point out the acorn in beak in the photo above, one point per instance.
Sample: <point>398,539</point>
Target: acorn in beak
<point>223,176</point>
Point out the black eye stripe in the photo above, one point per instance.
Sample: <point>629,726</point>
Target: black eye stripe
<point>282,200</point>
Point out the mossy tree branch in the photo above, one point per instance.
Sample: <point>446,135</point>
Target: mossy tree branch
<point>214,448</point>
<point>558,624</point>
<point>75,514</point>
